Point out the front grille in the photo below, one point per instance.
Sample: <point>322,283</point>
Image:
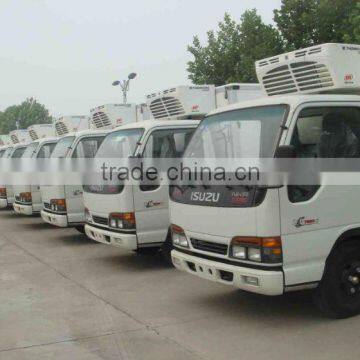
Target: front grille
<point>166,107</point>
<point>61,128</point>
<point>100,120</point>
<point>100,220</point>
<point>33,135</point>
<point>209,246</point>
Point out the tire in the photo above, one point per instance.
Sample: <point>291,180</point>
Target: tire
<point>338,295</point>
<point>166,250</point>
<point>147,251</point>
<point>80,229</point>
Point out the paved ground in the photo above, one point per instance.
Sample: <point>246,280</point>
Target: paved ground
<point>65,297</point>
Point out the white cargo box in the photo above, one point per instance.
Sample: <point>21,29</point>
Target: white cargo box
<point>110,116</point>
<point>20,136</point>
<point>327,68</point>
<point>143,112</point>
<point>71,124</point>
<point>233,93</point>
<point>41,131</point>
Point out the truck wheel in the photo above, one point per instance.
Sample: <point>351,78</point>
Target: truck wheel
<point>80,228</point>
<point>166,249</point>
<point>338,295</point>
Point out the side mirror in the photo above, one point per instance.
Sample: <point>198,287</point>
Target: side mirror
<point>285,152</point>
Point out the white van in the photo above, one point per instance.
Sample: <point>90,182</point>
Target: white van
<point>136,217</point>
<point>28,197</point>
<point>292,237</point>
<point>19,139</point>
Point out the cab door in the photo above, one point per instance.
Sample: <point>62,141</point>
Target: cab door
<point>151,201</point>
<point>313,216</point>
<point>86,148</point>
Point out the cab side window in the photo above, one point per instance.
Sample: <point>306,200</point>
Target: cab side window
<point>162,144</point>
<point>87,147</point>
<point>326,132</point>
<point>45,151</point>
<point>167,143</point>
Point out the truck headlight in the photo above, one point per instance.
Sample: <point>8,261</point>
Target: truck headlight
<point>3,192</point>
<point>125,221</point>
<point>179,237</point>
<point>58,205</point>
<point>25,197</point>
<point>257,249</point>
<point>239,252</point>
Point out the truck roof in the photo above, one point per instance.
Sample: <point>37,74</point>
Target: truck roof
<point>149,124</point>
<point>292,100</point>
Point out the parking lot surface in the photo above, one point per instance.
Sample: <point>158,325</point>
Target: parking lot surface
<point>63,296</point>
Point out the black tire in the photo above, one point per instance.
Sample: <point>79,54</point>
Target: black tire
<point>80,229</point>
<point>338,295</point>
<point>147,251</point>
<point>166,250</point>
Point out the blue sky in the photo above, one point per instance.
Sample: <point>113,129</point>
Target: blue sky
<point>67,53</point>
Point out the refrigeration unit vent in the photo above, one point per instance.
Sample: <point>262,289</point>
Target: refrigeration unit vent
<point>100,120</point>
<point>182,102</point>
<point>327,68</point>
<point>61,128</point>
<point>299,76</point>
<point>166,107</point>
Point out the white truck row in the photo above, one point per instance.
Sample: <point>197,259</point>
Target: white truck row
<point>276,239</point>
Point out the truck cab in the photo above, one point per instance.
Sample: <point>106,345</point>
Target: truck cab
<point>28,197</point>
<point>136,216</point>
<point>271,240</point>
<point>19,139</point>
<point>62,205</point>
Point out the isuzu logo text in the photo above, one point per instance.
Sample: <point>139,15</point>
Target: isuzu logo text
<point>205,197</point>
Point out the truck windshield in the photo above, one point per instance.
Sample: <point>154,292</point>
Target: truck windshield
<point>18,153</point>
<point>120,144</point>
<point>7,152</point>
<point>244,133</point>
<point>62,147</point>
<point>46,150</point>
<point>30,150</point>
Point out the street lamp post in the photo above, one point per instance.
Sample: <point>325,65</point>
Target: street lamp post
<point>125,85</point>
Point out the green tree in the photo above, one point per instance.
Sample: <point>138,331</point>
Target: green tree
<point>305,23</point>
<point>29,112</point>
<point>230,53</point>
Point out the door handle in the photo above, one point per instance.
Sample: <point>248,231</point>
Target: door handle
<point>77,192</point>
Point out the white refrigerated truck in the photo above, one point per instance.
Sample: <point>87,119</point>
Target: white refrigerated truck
<point>19,139</point>
<point>63,206</point>
<point>28,197</point>
<point>293,237</point>
<point>135,216</point>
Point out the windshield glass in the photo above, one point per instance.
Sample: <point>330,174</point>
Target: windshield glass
<point>7,152</point>
<point>18,153</point>
<point>244,133</point>
<point>62,147</point>
<point>2,152</point>
<point>46,150</point>
<point>30,150</point>
<point>120,144</point>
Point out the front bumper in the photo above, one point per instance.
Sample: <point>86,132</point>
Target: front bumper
<point>3,203</point>
<point>125,241</point>
<point>269,282</point>
<point>23,209</point>
<point>54,219</point>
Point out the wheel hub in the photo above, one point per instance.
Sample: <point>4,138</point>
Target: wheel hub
<point>351,278</point>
